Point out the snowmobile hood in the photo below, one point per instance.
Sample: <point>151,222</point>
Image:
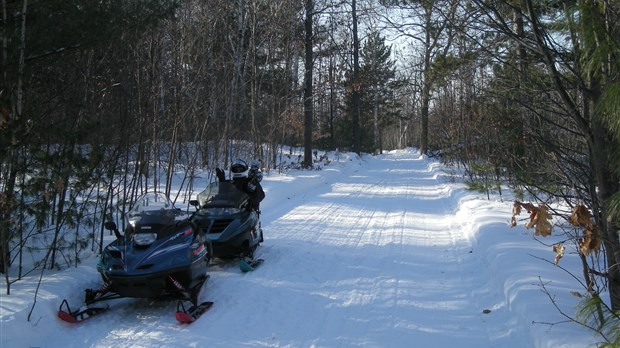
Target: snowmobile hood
<point>174,247</point>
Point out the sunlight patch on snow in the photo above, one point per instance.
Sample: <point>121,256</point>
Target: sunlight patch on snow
<point>9,308</point>
<point>303,175</point>
<point>415,327</point>
<point>279,178</point>
<point>359,296</point>
<point>376,228</point>
<point>394,192</point>
<point>131,337</point>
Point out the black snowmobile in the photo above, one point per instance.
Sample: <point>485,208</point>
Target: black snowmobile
<point>231,226</point>
<point>162,255</point>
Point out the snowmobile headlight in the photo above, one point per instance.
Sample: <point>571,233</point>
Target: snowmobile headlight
<point>221,211</point>
<point>133,220</point>
<point>144,239</point>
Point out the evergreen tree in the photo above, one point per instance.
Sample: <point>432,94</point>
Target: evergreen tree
<point>378,73</point>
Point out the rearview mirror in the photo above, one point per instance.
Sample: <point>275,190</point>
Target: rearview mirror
<point>109,225</point>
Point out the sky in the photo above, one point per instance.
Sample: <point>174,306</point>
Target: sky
<point>371,251</point>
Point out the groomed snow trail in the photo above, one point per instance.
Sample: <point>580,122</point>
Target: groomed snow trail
<point>371,260</point>
<point>358,261</point>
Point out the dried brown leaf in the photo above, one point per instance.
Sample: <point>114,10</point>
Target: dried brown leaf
<point>516,208</point>
<point>558,249</point>
<point>576,294</point>
<point>591,240</point>
<point>580,217</point>
<point>543,227</point>
<point>540,220</point>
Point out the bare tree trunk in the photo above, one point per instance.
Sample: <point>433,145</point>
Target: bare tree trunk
<point>308,88</point>
<point>7,199</point>
<point>332,102</point>
<point>172,157</point>
<point>426,83</point>
<point>20,68</point>
<point>356,83</point>
<point>375,117</point>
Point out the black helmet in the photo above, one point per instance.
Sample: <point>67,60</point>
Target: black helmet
<point>239,169</point>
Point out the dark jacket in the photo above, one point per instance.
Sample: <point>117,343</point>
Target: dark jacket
<point>250,185</point>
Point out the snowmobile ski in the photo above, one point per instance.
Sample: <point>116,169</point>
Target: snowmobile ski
<point>190,315</point>
<point>249,265</point>
<point>85,312</point>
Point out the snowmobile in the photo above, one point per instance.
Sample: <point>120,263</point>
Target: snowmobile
<point>161,255</point>
<point>224,214</point>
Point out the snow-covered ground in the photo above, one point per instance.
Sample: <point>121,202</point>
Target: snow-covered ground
<point>382,251</point>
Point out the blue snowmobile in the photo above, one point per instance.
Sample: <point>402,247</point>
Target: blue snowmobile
<point>162,255</point>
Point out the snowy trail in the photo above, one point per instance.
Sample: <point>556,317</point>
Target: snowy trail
<point>379,252</point>
<point>345,261</point>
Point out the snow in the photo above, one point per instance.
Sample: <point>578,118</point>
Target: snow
<point>379,251</point>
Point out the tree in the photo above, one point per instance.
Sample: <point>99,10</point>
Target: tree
<point>356,83</point>
<point>430,24</point>
<point>308,89</point>
<point>51,81</point>
<point>569,148</point>
<point>377,73</point>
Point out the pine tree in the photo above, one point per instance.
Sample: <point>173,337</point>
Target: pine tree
<point>378,72</point>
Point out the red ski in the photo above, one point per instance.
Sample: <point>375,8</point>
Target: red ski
<point>66,314</point>
<point>194,312</point>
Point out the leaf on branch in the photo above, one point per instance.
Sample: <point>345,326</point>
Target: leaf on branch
<point>516,210</point>
<point>580,217</point>
<point>529,207</point>
<point>539,219</point>
<point>576,294</point>
<point>591,240</point>
<point>558,249</point>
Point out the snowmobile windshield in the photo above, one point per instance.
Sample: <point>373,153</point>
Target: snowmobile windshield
<point>154,208</point>
<point>221,194</point>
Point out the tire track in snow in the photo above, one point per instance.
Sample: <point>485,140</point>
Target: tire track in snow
<point>355,227</point>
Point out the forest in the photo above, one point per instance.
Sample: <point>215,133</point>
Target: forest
<point>101,100</point>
